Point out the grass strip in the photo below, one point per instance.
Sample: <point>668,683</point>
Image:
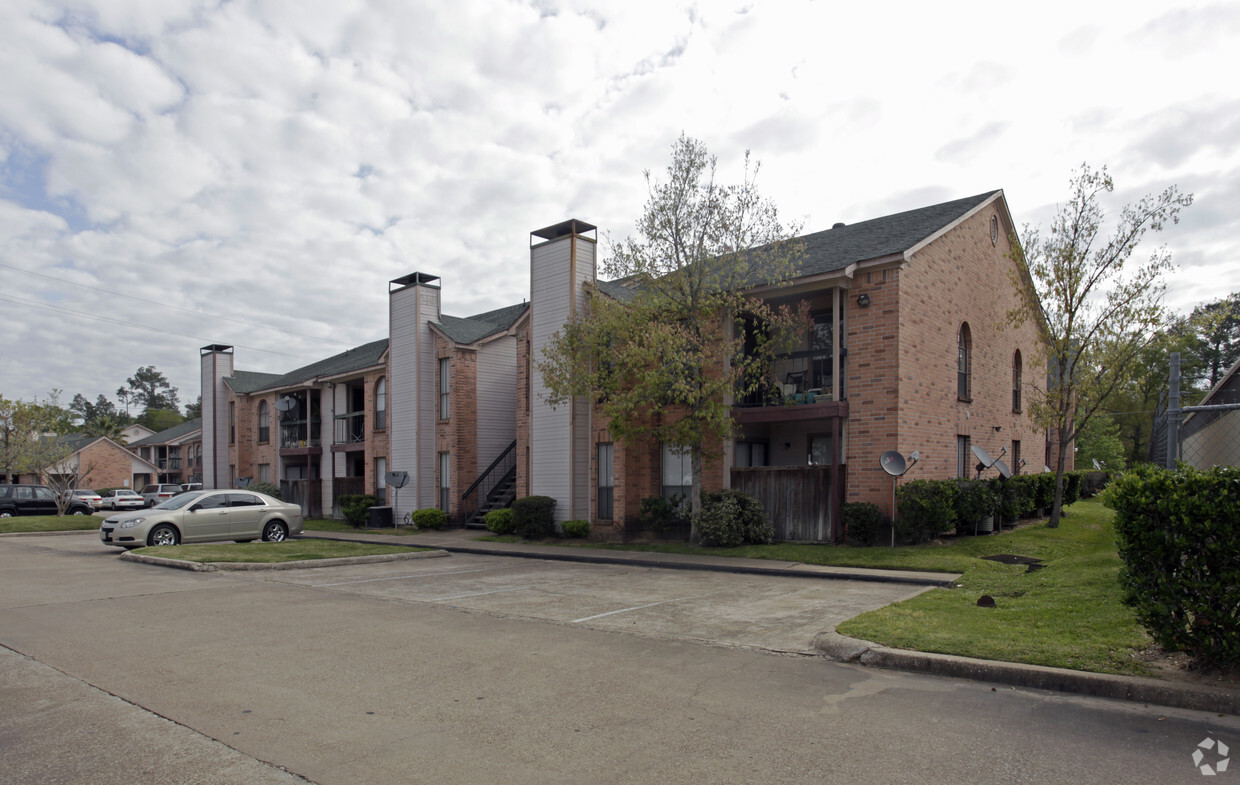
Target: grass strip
<point>48,523</point>
<point>272,552</point>
<point>328,525</point>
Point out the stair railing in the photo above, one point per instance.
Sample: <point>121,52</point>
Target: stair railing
<point>481,488</point>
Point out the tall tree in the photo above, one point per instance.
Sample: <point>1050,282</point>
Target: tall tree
<point>665,362</point>
<point>89,412</point>
<point>1216,326</point>
<point>194,409</point>
<point>1100,309</point>
<point>31,435</point>
<point>150,389</point>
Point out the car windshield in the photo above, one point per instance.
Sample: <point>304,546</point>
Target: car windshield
<point>178,502</point>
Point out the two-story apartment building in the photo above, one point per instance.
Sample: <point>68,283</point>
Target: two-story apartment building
<point>176,452</point>
<point>909,349</point>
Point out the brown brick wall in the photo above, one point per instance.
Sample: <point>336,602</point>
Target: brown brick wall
<point>103,464</point>
<point>458,435</point>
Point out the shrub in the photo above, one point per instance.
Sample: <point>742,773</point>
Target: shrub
<point>1008,498</point>
<point>660,515</point>
<point>730,518</point>
<point>1027,489</point>
<point>576,528</point>
<point>1044,495</point>
<point>499,521</point>
<point>271,489</point>
<point>1092,483</point>
<point>863,521</point>
<point>533,517</point>
<point>1071,488</point>
<point>927,509</point>
<point>1178,539</point>
<point>431,518</point>
<point>974,501</point>
<point>355,507</point>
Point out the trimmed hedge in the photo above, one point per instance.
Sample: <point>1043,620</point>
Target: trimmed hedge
<point>499,521</point>
<point>660,516</point>
<point>975,500</point>
<point>927,509</point>
<point>1180,543</point>
<point>533,517</point>
<point>355,507</point>
<point>863,521</point>
<point>269,488</point>
<point>576,528</point>
<point>730,518</point>
<point>431,518</point>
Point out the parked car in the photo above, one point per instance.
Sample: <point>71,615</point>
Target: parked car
<point>191,486</point>
<point>204,516</point>
<point>90,497</point>
<point>123,499</point>
<point>159,492</point>
<point>35,500</point>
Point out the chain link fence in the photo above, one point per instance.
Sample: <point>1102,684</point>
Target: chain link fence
<point>1200,436</point>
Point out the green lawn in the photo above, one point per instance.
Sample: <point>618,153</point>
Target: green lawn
<point>271,552</point>
<point>48,523</point>
<point>329,525</point>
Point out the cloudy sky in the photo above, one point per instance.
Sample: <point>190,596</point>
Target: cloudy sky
<point>175,173</point>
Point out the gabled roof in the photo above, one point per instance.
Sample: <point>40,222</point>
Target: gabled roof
<point>171,434</point>
<point>834,249</point>
<point>474,328</point>
<point>356,359</point>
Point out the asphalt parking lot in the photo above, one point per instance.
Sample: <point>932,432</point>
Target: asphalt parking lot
<point>779,614</point>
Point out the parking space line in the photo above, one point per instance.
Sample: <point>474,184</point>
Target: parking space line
<point>478,593</point>
<point>394,578</point>
<point>635,608</point>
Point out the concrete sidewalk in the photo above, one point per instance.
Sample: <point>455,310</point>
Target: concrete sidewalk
<point>463,541</point>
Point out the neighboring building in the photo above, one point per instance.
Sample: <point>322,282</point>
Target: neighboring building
<point>133,432</point>
<point>910,350</point>
<point>99,463</point>
<point>1212,438</point>
<point>175,452</point>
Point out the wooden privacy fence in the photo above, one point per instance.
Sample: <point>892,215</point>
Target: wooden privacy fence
<point>310,498</point>
<point>797,499</point>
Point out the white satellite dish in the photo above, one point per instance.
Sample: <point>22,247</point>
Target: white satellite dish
<point>1098,464</point>
<point>286,404</point>
<point>893,463</point>
<point>982,456</point>
<point>1004,471</point>
<point>397,479</point>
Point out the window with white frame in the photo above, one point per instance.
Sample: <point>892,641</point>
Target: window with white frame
<point>606,480</point>
<point>677,472</point>
<point>381,404</point>
<point>264,423</point>
<point>964,351</point>
<point>445,481</point>
<point>444,401</point>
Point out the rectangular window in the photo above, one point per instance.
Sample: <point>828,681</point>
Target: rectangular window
<point>750,454</point>
<point>264,472</point>
<point>445,481</point>
<point>606,480</point>
<point>1015,457</point>
<point>677,473</point>
<point>444,402</point>
<point>964,463</point>
<point>381,480</point>
<point>232,422</point>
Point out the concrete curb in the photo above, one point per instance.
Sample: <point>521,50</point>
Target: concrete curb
<point>94,531</point>
<point>1220,700</point>
<point>307,564</point>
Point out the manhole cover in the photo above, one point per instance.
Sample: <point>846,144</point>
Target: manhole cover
<point>1011,558</point>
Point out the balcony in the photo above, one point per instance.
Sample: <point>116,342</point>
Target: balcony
<point>350,428</point>
<point>796,378</point>
<point>296,435</point>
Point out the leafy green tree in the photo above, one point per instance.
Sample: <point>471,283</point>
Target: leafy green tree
<point>677,344</point>
<point>1099,441</point>
<point>1099,308</point>
<point>194,409</point>
<point>150,389</point>
<point>108,426</point>
<point>1216,327</point>
<point>32,441</point>
<point>161,419</point>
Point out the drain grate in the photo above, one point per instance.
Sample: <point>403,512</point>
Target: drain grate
<point>1011,558</point>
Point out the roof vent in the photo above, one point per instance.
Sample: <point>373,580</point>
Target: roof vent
<point>838,225</point>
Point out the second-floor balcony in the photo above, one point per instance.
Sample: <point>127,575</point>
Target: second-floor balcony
<point>170,464</point>
<point>299,433</point>
<point>797,378</point>
<point>350,428</point>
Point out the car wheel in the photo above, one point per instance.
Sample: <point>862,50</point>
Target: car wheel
<point>6,514</point>
<point>78,511</point>
<point>163,534</point>
<point>274,532</point>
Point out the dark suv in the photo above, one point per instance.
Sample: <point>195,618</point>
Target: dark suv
<point>35,500</point>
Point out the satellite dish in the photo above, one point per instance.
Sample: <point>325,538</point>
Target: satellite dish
<point>1004,471</point>
<point>893,463</point>
<point>244,482</point>
<point>397,479</point>
<point>1097,465</point>
<point>982,456</point>
<point>286,404</point>
<point>1046,468</point>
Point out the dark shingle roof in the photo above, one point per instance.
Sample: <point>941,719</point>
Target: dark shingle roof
<point>474,328</point>
<point>356,359</point>
<point>835,249</point>
<point>249,381</point>
<point>171,434</point>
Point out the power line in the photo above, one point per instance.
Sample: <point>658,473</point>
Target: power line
<point>112,293</point>
<point>161,330</point>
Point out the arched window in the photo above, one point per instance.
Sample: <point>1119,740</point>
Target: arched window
<point>381,404</point>
<point>964,363</point>
<point>264,423</point>
<point>1016,371</point>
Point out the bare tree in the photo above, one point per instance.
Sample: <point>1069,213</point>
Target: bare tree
<point>1099,308</point>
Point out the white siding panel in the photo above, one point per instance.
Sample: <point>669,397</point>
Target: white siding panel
<point>497,403</point>
<point>550,448</point>
<point>215,367</point>
<point>411,414</point>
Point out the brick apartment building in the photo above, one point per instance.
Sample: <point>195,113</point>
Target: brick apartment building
<point>99,462</point>
<point>910,350</point>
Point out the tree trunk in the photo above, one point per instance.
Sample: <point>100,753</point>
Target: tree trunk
<point>1061,458</point>
<point>695,494</point>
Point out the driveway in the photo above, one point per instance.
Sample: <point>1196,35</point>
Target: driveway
<point>386,674</point>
